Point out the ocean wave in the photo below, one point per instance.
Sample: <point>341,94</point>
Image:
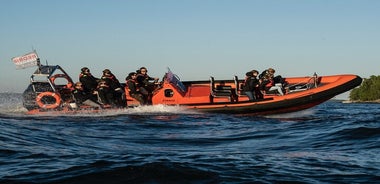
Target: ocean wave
<point>330,143</point>
<point>103,172</point>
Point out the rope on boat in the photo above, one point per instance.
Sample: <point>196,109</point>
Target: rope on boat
<point>306,82</point>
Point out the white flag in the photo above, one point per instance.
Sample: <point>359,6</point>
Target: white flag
<point>26,60</point>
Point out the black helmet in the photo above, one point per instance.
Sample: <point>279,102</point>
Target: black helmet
<point>84,69</point>
<point>131,74</point>
<point>106,71</point>
<point>255,71</point>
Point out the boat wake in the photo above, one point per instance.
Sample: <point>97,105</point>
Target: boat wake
<point>139,110</point>
<point>299,116</point>
<point>11,105</point>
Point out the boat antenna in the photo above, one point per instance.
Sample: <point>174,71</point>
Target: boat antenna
<point>38,59</point>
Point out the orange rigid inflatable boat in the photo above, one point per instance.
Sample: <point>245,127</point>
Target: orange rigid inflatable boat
<point>47,95</point>
<point>301,93</point>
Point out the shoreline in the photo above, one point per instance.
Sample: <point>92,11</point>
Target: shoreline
<point>359,101</point>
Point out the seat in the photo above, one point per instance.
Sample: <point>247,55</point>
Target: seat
<point>219,91</point>
<point>239,87</point>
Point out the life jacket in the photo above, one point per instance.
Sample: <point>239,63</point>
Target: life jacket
<point>111,81</point>
<point>128,82</point>
<point>132,86</point>
<point>89,82</point>
<point>270,83</point>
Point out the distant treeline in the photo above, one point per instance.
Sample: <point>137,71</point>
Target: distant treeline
<point>369,90</point>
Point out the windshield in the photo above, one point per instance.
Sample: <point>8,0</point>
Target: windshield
<point>174,79</point>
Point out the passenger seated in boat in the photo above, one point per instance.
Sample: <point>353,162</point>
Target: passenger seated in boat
<point>89,82</point>
<point>106,94</point>
<point>268,83</point>
<point>143,80</point>
<point>82,97</point>
<point>115,89</point>
<point>251,86</point>
<point>248,86</point>
<point>133,90</point>
<point>256,82</point>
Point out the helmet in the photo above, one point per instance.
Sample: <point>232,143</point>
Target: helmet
<point>84,69</point>
<point>131,74</point>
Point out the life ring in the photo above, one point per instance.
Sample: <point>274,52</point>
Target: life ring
<point>41,104</point>
<point>69,82</point>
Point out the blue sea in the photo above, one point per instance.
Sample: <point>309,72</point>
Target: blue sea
<point>333,142</point>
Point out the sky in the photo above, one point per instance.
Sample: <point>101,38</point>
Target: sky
<point>194,38</point>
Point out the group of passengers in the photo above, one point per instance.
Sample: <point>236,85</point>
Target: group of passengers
<point>140,86</point>
<point>255,85</point>
<point>107,91</point>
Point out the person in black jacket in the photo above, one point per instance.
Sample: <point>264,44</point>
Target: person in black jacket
<point>144,80</point>
<point>249,86</point>
<point>133,89</point>
<point>105,93</point>
<point>82,97</point>
<point>144,83</point>
<point>256,85</point>
<point>89,82</point>
<point>115,90</point>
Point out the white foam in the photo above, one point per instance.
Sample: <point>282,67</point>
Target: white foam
<point>160,109</point>
<point>11,104</point>
<point>140,110</point>
<point>298,114</point>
